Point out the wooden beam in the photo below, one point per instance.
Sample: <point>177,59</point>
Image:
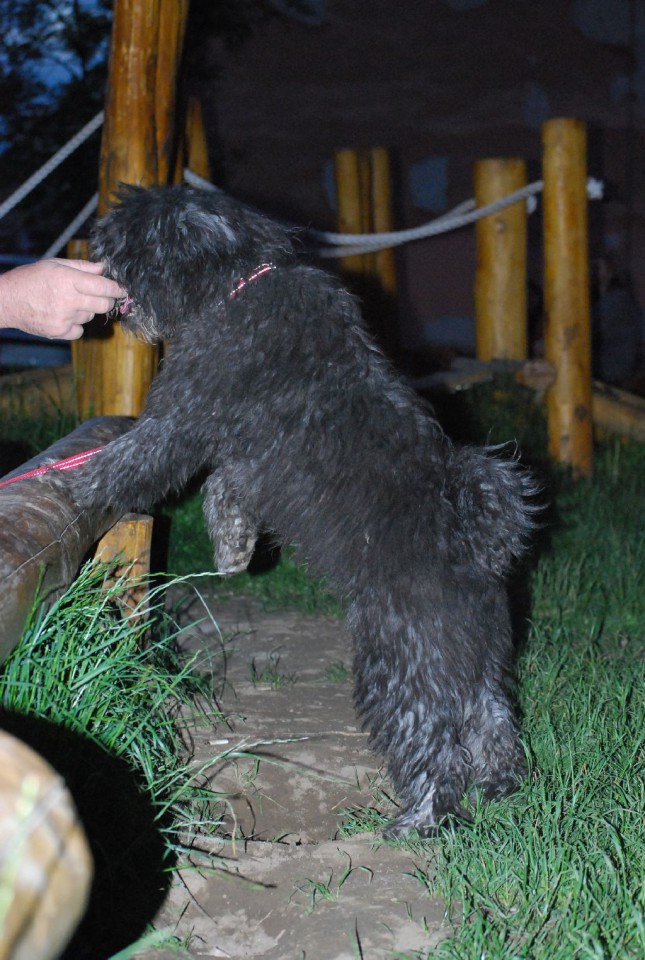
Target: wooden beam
<point>113,369</point>
<point>567,339</point>
<point>126,547</point>
<point>43,536</point>
<point>500,278</point>
<point>363,189</point>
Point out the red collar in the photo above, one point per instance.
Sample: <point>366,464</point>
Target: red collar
<point>257,273</point>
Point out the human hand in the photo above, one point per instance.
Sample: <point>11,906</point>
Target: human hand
<point>54,298</point>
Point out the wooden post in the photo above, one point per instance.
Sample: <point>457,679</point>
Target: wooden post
<point>127,545</point>
<point>137,145</point>
<point>86,354</point>
<point>196,144</point>
<point>567,341</point>
<point>173,15</point>
<point>363,187</point>
<point>500,279</point>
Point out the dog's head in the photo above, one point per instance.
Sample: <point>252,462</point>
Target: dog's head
<point>177,250</point>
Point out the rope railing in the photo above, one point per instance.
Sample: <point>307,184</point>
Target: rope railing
<point>339,244</point>
<point>50,165</point>
<point>353,244</point>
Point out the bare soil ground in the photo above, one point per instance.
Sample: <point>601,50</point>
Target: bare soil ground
<point>294,888</point>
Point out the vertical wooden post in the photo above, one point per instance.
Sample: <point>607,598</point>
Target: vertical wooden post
<point>173,15</point>
<point>500,279</point>
<point>86,362</point>
<point>567,340</point>
<point>196,144</point>
<point>128,544</point>
<point>363,187</point>
<point>137,145</point>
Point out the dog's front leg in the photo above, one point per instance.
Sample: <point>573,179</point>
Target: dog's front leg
<point>233,531</point>
<point>138,469</point>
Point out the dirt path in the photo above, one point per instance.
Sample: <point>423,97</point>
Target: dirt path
<point>300,892</point>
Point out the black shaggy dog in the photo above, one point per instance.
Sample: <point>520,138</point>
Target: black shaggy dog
<point>272,386</point>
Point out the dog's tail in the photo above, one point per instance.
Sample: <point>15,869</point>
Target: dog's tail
<point>496,500</point>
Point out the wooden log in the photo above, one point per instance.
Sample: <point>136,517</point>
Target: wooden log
<point>196,143</point>
<point>618,412</point>
<point>353,209</point>
<point>45,862</point>
<point>500,278</point>
<point>86,352</point>
<point>115,370</point>
<point>172,29</point>
<point>363,188</point>
<point>567,340</point>
<point>43,536</point>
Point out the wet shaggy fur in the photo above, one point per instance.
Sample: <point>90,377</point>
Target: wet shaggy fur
<point>279,394</point>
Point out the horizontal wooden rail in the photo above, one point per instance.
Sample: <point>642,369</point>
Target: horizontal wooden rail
<point>43,535</point>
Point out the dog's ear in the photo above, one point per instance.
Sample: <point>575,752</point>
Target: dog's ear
<point>203,227</point>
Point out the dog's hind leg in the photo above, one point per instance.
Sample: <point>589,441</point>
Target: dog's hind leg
<point>232,531</point>
<point>406,696</point>
<point>491,737</point>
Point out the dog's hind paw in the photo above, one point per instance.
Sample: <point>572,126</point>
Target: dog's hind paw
<point>400,827</point>
<point>427,819</point>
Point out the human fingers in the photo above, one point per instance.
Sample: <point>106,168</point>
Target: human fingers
<point>86,266</point>
<point>98,293</point>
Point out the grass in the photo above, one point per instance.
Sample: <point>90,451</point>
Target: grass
<point>103,697</point>
<point>557,872</point>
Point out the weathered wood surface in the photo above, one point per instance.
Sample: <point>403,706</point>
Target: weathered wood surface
<point>45,862</point>
<point>43,535</point>
<point>500,277</point>
<point>364,190</point>
<point>137,146</point>
<point>567,335</point>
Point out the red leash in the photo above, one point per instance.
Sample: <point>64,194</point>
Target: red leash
<point>67,464</point>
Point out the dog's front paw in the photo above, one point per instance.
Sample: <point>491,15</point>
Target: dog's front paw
<point>234,546</point>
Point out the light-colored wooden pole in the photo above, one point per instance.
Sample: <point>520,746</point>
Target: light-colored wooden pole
<point>500,278</point>
<point>363,189</point>
<point>173,15</point>
<point>127,546</point>
<point>137,147</point>
<point>87,367</point>
<point>378,169</point>
<point>196,143</point>
<point>567,341</point>
<point>352,208</point>
<point>129,154</point>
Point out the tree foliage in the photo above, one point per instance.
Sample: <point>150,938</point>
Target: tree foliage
<point>53,64</point>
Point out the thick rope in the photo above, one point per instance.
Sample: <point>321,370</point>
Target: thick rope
<point>36,178</point>
<point>70,230</point>
<point>354,244</point>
